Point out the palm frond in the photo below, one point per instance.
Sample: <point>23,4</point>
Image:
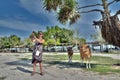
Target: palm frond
<point>75,16</point>
<point>52,4</point>
<point>64,14</point>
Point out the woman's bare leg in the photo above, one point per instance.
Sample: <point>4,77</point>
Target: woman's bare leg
<point>34,68</point>
<point>41,71</point>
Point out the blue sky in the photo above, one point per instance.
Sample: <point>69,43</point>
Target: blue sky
<point>21,17</point>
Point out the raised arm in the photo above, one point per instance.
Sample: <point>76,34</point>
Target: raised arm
<point>40,40</point>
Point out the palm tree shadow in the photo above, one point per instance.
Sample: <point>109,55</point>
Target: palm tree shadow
<point>23,70</point>
<point>63,65</point>
<point>20,63</point>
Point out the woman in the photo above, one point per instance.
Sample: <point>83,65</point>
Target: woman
<point>37,52</point>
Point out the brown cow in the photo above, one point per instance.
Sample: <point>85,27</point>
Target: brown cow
<point>85,54</point>
<point>70,53</point>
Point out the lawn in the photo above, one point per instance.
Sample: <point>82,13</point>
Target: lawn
<point>103,65</point>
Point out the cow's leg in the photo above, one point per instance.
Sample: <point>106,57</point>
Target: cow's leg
<point>89,65</point>
<point>69,57</point>
<point>87,62</point>
<point>82,61</point>
<point>86,59</point>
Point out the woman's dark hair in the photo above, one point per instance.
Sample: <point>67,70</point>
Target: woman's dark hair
<point>40,32</point>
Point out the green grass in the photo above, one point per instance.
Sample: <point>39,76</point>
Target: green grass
<point>111,52</point>
<point>104,60</point>
<point>104,69</point>
<point>60,57</point>
<point>24,58</point>
<point>103,65</point>
<point>55,57</point>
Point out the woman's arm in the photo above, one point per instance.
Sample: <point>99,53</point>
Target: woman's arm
<point>40,40</point>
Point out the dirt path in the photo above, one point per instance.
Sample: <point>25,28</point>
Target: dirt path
<point>13,68</point>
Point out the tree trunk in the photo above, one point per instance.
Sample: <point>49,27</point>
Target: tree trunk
<point>110,26</point>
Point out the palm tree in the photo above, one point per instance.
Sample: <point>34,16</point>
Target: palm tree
<point>67,9</point>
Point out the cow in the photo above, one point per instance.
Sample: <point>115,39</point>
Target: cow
<point>70,53</point>
<point>85,54</point>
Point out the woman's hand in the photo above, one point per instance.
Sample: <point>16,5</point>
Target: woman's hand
<point>33,34</point>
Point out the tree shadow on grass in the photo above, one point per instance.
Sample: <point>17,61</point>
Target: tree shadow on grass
<point>117,64</point>
<point>62,64</point>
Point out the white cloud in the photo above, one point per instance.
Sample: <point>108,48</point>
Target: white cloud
<point>20,25</point>
<point>35,7</point>
<point>119,17</point>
